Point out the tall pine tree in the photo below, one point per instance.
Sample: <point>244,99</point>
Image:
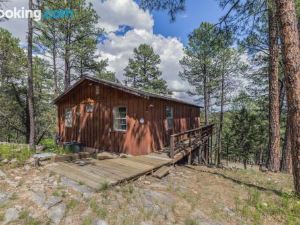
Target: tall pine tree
<point>143,72</point>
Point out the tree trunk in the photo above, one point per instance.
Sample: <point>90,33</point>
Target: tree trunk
<point>274,124</point>
<point>260,158</point>
<point>30,83</point>
<point>67,46</point>
<point>245,163</point>
<point>287,148</point>
<point>206,97</point>
<point>54,54</point>
<point>291,53</point>
<point>221,121</point>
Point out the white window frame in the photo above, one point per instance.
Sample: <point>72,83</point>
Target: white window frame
<point>89,110</point>
<point>170,118</point>
<point>115,111</point>
<point>68,117</point>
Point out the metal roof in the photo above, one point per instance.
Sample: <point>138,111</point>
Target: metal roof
<point>121,87</point>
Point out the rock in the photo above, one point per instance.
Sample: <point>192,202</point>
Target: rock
<point>2,174</point>
<point>202,219</point>
<point>39,148</point>
<point>147,182</point>
<point>13,161</point>
<point>12,183</point>
<point>57,213</point>
<point>26,167</point>
<point>147,223</point>
<point>264,170</point>
<point>82,162</point>
<point>105,155</point>
<point>38,198</point>
<point>122,155</point>
<point>75,186</point>
<point>99,222</point>
<point>52,201</point>
<point>86,213</point>
<point>229,211</point>
<point>44,156</point>
<point>30,161</point>
<point>3,198</point>
<point>19,207</point>
<point>87,196</point>
<point>5,161</point>
<point>11,214</point>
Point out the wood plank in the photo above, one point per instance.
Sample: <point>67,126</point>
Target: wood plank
<point>74,176</point>
<point>130,163</point>
<point>161,172</point>
<point>100,172</point>
<point>77,170</point>
<point>148,160</point>
<point>115,167</point>
<point>113,171</point>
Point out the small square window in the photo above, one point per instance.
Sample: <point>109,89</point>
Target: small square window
<point>89,108</point>
<point>68,117</point>
<point>120,122</point>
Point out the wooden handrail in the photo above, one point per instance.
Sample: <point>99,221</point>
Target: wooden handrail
<point>191,131</point>
<point>189,138</point>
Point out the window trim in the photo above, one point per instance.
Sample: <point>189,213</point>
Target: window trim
<point>68,110</point>
<point>170,118</point>
<point>87,105</point>
<point>114,118</point>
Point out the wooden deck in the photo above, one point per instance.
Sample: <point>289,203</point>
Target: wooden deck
<point>111,171</point>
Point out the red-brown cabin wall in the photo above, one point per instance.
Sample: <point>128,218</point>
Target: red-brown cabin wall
<point>95,129</point>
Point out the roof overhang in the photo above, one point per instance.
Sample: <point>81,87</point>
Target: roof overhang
<point>120,87</point>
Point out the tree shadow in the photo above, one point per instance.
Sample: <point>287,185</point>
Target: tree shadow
<point>240,182</point>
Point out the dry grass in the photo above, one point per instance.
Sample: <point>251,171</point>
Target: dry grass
<point>188,196</point>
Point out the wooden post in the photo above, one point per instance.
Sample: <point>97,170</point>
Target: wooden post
<point>190,158</point>
<point>211,145</point>
<point>172,146</point>
<point>199,153</point>
<point>208,149</point>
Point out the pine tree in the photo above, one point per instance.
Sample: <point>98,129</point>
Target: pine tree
<point>72,38</point>
<point>291,53</point>
<point>143,72</point>
<point>30,91</point>
<point>197,63</point>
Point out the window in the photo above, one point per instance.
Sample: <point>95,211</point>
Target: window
<point>68,117</point>
<point>169,113</point>
<point>120,123</point>
<point>89,108</point>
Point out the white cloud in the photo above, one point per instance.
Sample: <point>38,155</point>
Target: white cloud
<point>17,27</point>
<point>118,49</point>
<point>119,12</point>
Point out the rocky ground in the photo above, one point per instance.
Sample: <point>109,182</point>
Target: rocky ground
<point>194,195</point>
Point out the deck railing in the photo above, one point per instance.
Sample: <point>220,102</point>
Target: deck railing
<point>189,139</point>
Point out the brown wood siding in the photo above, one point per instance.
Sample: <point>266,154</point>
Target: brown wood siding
<point>96,129</point>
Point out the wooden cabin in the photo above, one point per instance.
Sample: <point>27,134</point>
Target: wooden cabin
<point>111,117</point>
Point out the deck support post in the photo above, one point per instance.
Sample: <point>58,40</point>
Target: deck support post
<point>172,146</point>
<point>190,158</point>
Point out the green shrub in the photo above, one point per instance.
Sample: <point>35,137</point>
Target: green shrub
<point>51,146</point>
<point>15,151</point>
<point>100,211</point>
<point>189,221</point>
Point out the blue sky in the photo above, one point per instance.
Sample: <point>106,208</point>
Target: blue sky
<point>197,11</point>
<point>128,26</point>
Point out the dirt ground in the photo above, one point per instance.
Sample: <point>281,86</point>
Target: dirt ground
<point>188,195</point>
